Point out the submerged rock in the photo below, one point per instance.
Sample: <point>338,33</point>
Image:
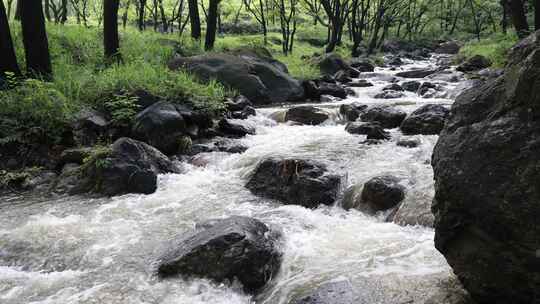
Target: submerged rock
<point>408,143</point>
<point>487,195</point>
<point>427,120</point>
<point>340,292</point>
<point>389,95</point>
<point>306,115</point>
<point>238,247</point>
<point>389,117</point>
<point>295,181</point>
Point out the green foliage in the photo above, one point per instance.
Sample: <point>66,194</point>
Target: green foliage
<point>123,108</point>
<point>495,48</point>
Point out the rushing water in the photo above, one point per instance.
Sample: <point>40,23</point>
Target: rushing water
<point>80,250</point>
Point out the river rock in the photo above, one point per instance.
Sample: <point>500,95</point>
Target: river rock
<point>388,116</point>
<point>307,115</point>
<point>238,247</point>
<point>486,202</point>
<point>362,65</point>
<point>411,86</point>
<point>420,73</point>
<point>427,120</point>
<point>388,94</point>
<point>360,83</point>
<point>475,63</point>
<point>89,127</point>
<point>395,61</point>
<point>425,87</point>
<point>393,87</point>
<point>409,143</point>
<point>381,193</point>
<point>314,89</point>
<point>352,111</point>
<point>235,128</point>
<point>373,130</point>
<point>257,76</point>
<point>332,63</point>
<point>295,181</point>
<point>449,47</point>
<point>238,103</point>
<point>244,114</point>
<point>128,166</point>
<point>339,292</point>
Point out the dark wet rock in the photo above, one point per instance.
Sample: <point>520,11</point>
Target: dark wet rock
<point>235,128</point>
<point>395,61</point>
<point>160,125</point>
<point>388,116</point>
<point>490,73</point>
<point>328,98</point>
<point>361,83</point>
<point>89,127</point>
<point>379,76</point>
<point>393,87</point>
<point>373,130</point>
<point>409,143</point>
<point>235,248</point>
<point>362,65</point>
<point>238,103</point>
<point>449,47</point>
<point>389,95</point>
<point>295,181</point>
<point>306,115</point>
<point>486,183</point>
<point>332,63</point>
<point>474,63</point>
<point>128,166</point>
<point>428,120</point>
<point>425,87</point>
<point>230,146</point>
<point>343,77</point>
<point>74,155</point>
<point>381,193</point>
<point>339,292</point>
<point>314,89</point>
<point>421,73</point>
<point>244,114</point>
<point>411,86</point>
<point>352,111</point>
<point>260,78</point>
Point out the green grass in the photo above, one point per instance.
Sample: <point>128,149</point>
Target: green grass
<point>495,48</point>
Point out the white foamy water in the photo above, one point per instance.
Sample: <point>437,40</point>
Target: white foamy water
<point>79,250</point>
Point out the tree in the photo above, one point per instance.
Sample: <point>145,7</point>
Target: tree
<point>142,8</point>
<point>110,30</point>
<point>519,19</point>
<point>36,44</point>
<point>537,15</point>
<point>194,19</point>
<point>8,63</point>
<point>258,10</point>
<point>211,24</point>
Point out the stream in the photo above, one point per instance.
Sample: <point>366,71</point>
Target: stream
<point>81,250</point>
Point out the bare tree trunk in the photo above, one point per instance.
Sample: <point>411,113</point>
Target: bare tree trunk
<point>36,44</point>
<point>110,31</point>
<point>8,63</point>
<point>519,19</point>
<point>194,19</point>
<point>211,24</point>
<point>536,14</point>
<point>142,9</point>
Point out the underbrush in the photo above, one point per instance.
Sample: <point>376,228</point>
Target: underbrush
<point>494,48</point>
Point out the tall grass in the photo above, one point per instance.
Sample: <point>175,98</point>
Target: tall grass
<point>495,48</point>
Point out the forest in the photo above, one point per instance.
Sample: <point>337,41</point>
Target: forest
<point>269,151</point>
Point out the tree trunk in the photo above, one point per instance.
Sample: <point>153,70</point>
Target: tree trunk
<point>47,10</point>
<point>18,10</point>
<point>36,45</point>
<point>8,63</point>
<point>519,19</point>
<point>194,19</point>
<point>537,15</point>
<point>110,30</point>
<point>64,11</point>
<point>211,24</point>
<point>142,7</point>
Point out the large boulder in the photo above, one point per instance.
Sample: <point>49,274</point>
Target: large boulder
<point>332,63</point>
<point>295,181</point>
<point>428,120</point>
<point>474,63</point>
<point>238,247</point>
<point>128,166</point>
<point>260,78</point>
<point>306,115</point>
<point>487,195</point>
<point>389,117</point>
<point>449,47</point>
<point>314,89</point>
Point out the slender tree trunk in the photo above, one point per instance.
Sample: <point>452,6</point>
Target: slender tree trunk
<point>47,10</point>
<point>142,8</point>
<point>36,45</point>
<point>18,10</point>
<point>504,21</point>
<point>194,19</point>
<point>8,62</point>
<point>64,12</point>
<point>519,19</point>
<point>110,30</point>
<point>537,15</point>
<point>211,24</point>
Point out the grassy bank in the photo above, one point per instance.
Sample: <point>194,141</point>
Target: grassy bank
<point>495,48</point>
